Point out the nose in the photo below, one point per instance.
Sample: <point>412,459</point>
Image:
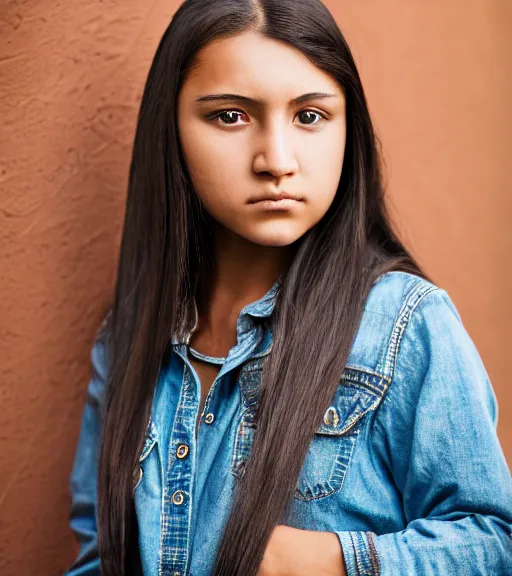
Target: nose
<point>275,154</point>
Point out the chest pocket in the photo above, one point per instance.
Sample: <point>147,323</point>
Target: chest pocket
<point>330,451</point>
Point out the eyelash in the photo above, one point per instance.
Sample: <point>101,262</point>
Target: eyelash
<point>216,115</point>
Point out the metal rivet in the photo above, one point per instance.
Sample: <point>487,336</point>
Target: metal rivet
<point>331,417</point>
<point>178,497</point>
<point>182,451</point>
<point>209,418</point>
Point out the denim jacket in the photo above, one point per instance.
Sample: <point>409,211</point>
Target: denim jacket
<point>405,466</point>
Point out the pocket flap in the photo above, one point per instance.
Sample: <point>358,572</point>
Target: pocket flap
<point>351,401</point>
<point>360,390</point>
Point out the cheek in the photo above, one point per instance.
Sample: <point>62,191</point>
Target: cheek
<point>321,168</point>
<point>216,167</point>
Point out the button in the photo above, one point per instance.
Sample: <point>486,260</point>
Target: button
<point>209,418</point>
<point>178,497</point>
<point>182,451</point>
<point>331,417</point>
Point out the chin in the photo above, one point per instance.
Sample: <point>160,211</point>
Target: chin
<point>275,240</point>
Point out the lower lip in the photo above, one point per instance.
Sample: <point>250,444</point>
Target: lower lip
<point>284,204</point>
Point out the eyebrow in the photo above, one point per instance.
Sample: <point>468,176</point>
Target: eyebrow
<point>247,100</point>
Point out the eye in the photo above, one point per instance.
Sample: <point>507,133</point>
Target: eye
<point>228,117</point>
<point>310,117</point>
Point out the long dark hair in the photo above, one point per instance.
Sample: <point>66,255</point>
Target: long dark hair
<point>164,255</point>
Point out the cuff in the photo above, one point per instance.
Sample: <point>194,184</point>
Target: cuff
<point>359,553</point>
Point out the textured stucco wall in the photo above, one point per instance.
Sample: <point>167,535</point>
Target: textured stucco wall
<point>71,76</point>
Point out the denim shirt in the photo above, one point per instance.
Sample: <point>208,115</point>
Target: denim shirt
<point>405,466</point>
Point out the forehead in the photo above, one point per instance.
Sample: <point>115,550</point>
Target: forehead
<point>256,65</point>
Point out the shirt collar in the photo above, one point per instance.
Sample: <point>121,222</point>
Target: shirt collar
<point>261,308</point>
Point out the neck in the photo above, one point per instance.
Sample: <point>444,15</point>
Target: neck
<point>243,273</point>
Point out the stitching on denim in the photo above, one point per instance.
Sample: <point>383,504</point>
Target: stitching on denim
<point>300,495</point>
<point>242,439</point>
<point>359,368</point>
<point>177,554</point>
<point>374,557</point>
<point>361,377</point>
<point>353,537</point>
<point>411,302</point>
<point>365,387</point>
<point>368,568</point>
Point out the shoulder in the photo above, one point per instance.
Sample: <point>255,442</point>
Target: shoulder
<point>412,334</point>
<point>409,323</point>
<point>391,303</point>
<point>395,291</point>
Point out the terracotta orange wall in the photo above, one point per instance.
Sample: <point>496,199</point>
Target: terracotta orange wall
<point>71,76</point>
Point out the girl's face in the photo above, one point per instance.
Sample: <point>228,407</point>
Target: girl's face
<point>258,120</point>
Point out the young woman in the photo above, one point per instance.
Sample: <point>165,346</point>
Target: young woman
<point>278,388</point>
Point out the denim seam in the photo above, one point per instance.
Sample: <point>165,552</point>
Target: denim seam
<point>238,441</point>
<point>164,529</point>
<point>353,437</point>
<point>411,302</point>
<point>374,557</point>
<point>365,555</point>
<point>367,387</point>
<point>353,536</point>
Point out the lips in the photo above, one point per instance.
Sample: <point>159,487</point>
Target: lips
<point>274,198</point>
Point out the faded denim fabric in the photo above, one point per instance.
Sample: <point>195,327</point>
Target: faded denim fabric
<point>405,467</point>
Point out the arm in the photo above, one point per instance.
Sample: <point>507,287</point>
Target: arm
<point>436,433</point>
<point>84,473</point>
<point>294,552</point>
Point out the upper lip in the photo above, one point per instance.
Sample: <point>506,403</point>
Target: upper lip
<point>274,196</point>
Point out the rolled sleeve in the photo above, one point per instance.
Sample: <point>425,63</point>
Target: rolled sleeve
<point>359,553</point>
